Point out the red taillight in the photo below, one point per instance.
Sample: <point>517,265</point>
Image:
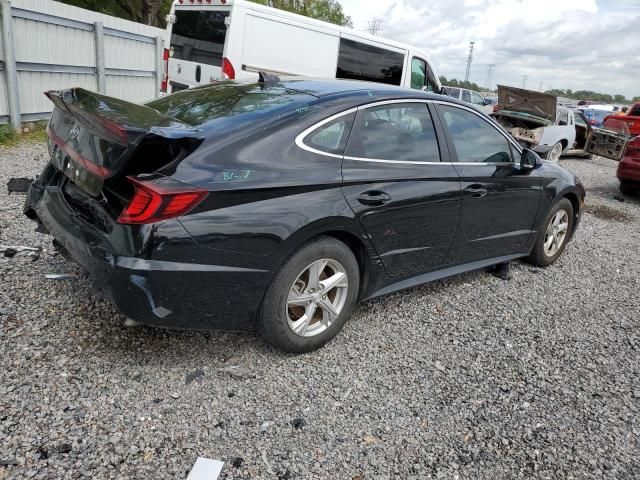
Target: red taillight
<point>153,202</point>
<point>633,148</point>
<point>227,69</point>
<point>165,73</point>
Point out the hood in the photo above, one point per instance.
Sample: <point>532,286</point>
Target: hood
<point>527,101</point>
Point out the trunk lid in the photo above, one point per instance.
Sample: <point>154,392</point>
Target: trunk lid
<point>94,138</point>
<point>527,101</point>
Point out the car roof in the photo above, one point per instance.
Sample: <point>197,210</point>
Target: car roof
<point>331,87</point>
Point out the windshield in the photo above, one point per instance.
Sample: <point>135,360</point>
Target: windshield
<point>250,101</point>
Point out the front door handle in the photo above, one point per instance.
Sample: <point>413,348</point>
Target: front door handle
<point>374,198</point>
<point>198,73</point>
<point>476,191</point>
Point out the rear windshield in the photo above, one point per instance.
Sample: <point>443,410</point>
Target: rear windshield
<point>198,36</point>
<point>238,102</point>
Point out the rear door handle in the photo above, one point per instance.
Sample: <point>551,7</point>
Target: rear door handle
<point>476,191</point>
<point>374,198</point>
<point>198,73</point>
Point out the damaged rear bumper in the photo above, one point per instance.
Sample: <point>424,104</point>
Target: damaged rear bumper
<point>151,280</point>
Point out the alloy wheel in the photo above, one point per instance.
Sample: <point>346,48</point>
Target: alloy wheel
<point>556,152</point>
<point>556,232</point>
<point>317,297</point>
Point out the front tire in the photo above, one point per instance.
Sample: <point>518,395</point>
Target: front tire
<point>554,154</point>
<point>311,297</point>
<point>554,236</point>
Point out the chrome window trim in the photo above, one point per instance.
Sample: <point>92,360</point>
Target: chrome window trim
<point>301,136</point>
<point>299,141</point>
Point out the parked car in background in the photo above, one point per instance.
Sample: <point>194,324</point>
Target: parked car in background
<point>595,117</point>
<point>279,205</point>
<point>220,40</point>
<point>629,168</point>
<point>471,97</point>
<point>631,120</point>
<point>535,121</point>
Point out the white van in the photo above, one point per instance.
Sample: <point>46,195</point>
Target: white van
<point>214,40</point>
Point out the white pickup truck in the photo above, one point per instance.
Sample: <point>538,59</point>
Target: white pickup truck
<point>536,121</point>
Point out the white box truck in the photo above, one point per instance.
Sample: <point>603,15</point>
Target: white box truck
<point>216,40</point>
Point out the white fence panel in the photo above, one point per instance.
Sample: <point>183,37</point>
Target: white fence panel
<point>55,46</point>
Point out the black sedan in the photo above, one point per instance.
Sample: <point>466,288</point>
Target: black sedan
<point>279,205</point>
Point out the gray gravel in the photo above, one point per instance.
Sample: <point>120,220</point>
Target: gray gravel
<point>470,377</point>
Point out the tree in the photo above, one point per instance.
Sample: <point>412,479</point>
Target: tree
<point>636,99</point>
<point>327,10</point>
<point>151,12</point>
<point>462,84</point>
<point>619,98</point>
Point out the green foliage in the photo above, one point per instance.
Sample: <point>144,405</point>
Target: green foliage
<point>151,12</point>
<point>462,84</point>
<point>7,134</point>
<point>636,99</point>
<point>588,95</point>
<point>37,133</point>
<point>327,10</point>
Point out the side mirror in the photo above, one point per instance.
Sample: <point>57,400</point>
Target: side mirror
<point>485,102</point>
<point>529,159</point>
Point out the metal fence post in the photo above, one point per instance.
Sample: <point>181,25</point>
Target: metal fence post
<point>159,64</point>
<point>101,76</point>
<point>11,74</point>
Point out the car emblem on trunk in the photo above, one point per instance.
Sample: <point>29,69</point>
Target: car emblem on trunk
<point>75,131</point>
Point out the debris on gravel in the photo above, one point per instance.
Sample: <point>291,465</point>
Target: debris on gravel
<point>470,377</point>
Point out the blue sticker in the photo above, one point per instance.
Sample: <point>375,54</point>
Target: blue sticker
<point>231,175</point>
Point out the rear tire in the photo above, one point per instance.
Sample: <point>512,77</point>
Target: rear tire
<point>311,297</point>
<point>554,235</point>
<point>627,189</point>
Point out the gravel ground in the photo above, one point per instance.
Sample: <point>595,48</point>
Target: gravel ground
<point>470,377</point>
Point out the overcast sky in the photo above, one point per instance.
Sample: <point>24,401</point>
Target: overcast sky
<point>577,44</point>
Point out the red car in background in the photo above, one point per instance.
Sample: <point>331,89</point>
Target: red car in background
<point>629,168</point>
<point>631,119</point>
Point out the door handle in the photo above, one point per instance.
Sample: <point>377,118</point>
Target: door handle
<point>476,191</point>
<point>374,198</point>
<point>198,73</point>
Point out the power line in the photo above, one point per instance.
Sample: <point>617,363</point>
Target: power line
<point>469,59</point>
<point>524,80</point>
<point>375,26</point>
<point>488,81</point>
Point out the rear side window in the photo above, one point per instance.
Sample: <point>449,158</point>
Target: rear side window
<point>466,96</point>
<point>331,137</point>
<point>395,132</point>
<point>198,36</point>
<point>634,112</point>
<point>475,140</point>
<point>359,61</point>
<point>453,92</point>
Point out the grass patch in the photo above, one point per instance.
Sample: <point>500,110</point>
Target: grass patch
<point>36,134</point>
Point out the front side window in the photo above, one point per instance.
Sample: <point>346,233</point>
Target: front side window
<point>476,99</point>
<point>474,139</point>
<point>359,61</point>
<point>418,73</point>
<point>331,137</point>
<point>395,132</point>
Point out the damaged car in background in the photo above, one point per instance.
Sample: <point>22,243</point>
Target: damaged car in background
<point>536,121</point>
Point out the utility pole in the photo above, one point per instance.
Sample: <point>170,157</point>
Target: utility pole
<point>375,26</point>
<point>540,87</point>
<point>469,59</point>
<point>524,80</point>
<point>487,82</point>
